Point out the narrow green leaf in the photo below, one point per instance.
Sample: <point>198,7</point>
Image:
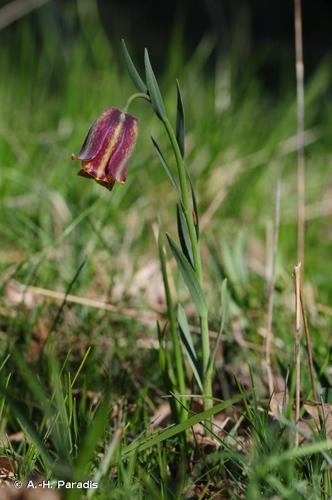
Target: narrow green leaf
<point>183,322</point>
<point>54,408</point>
<point>20,411</point>
<point>61,428</point>
<point>188,345</point>
<point>195,206</point>
<point>230,268</point>
<point>183,233</point>
<point>169,374</point>
<point>180,122</point>
<point>162,352</point>
<point>133,73</point>
<point>4,362</point>
<point>224,311</point>
<point>166,370</point>
<point>145,443</point>
<point>164,163</point>
<point>106,460</point>
<point>34,385</point>
<point>153,88</point>
<point>81,366</point>
<point>303,451</point>
<point>92,437</point>
<point>240,260</point>
<point>189,277</point>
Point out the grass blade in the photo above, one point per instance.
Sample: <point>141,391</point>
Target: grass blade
<point>106,461</point>
<point>21,412</point>
<point>90,444</point>
<point>145,443</point>
<point>224,305</point>
<point>302,451</point>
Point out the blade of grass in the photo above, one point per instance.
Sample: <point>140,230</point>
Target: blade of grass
<point>224,312</point>
<point>146,443</point>
<point>106,461</point>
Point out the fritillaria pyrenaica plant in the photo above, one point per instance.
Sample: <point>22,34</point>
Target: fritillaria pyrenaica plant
<point>104,157</point>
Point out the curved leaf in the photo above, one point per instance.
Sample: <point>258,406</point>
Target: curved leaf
<point>189,277</point>
<point>164,163</point>
<point>183,233</point>
<point>153,88</point>
<point>133,73</point>
<point>180,123</point>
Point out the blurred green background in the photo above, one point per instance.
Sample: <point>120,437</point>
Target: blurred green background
<point>61,68</point>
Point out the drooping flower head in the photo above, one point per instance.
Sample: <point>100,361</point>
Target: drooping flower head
<point>107,148</point>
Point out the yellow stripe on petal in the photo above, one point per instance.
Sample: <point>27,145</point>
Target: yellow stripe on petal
<point>110,146</point>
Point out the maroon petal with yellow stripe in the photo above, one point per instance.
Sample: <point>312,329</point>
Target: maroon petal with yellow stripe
<point>107,148</point>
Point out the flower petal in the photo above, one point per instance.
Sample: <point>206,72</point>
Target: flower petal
<point>118,162</point>
<point>107,148</point>
<point>107,184</point>
<point>97,133</point>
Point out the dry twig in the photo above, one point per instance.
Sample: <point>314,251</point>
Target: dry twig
<point>300,130</point>
<point>25,295</point>
<point>271,289</point>
<point>324,309</point>
<point>297,272</point>
<point>13,11</point>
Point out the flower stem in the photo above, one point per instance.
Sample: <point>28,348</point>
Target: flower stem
<point>185,199</point>
<point>137,95</point>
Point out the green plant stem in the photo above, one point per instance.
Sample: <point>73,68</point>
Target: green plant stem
<point>174,332</point>
<point>185,199</point>
<point>137,95</point>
